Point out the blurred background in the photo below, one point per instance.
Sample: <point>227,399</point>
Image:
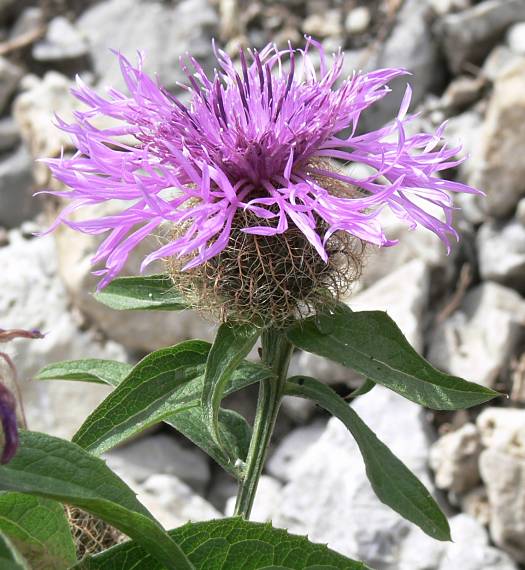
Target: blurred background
<point>464,312</point>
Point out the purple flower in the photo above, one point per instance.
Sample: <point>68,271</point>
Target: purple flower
<point>261,138</point>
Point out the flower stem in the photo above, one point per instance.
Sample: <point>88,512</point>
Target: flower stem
<point>276,353</point>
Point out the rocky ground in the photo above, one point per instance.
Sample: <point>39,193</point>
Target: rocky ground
<point>465,312</point>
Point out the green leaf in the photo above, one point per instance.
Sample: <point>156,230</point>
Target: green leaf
<point>232,344</point>
<point>148,293</point>
<point>10,558</point>
<point>88,370</point>
<point>230,544</point>
<point>39,529</point>
<point>365,387</point>
<point>52,468</point>
<point>167,386</point>
<point>394,484</point>
<point>372,344</point>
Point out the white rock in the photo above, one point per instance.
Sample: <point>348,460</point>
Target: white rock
<point>329,496</point>
<point>501,170</point>
<point>323,25</point>
<point>292,447</point>
<point>33,111</point>
<point>358,20</point>
<point>476,342</point>
<point>403,295</point>
<point>163,32</point>
<point>172,502</point>
<point>501,248</point>
<point>32,296</point>
<point>470,549</point>
<point>503,475</point>
<point>499,61</point>
<point>10,75</point>
<point>454,459</point>
<point>160,454</point>
<point>62,42</point>
<point>442,7</point>
<point>516,38</point>
<point>468,36</point>
<point>266,502</point>
<point>475,503</point>
<point>503,429</point>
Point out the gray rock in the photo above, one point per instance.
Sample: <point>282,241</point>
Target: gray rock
<point>323,25</point>
<point>503,475</point>
<point>292,447</point>
<point>172,502</point>
<point>163,32</point>
<point>10,75</point>
<point>160,454</point>
<point>454,459</point>
<point>29,21</point>
<point>410,45</point>
<point>516,38</point>
<point>499,61</point>
<point>501,171</point>
<point>16,189</point>
<point>442,7</point>
<point>329,497</point>
<point>478,340</point>
<point>62,42</point>
<point>468,36</point>
<point>501,248</point>
<point>32,296</point>
<point>9,134</point>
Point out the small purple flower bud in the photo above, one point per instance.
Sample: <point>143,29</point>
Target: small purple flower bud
<point>9,424</point>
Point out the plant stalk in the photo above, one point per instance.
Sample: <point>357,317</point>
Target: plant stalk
<point>276,354</point>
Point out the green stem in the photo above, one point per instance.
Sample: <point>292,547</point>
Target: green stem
<point>276,353</point>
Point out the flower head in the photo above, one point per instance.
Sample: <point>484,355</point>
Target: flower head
<point>253,152</point>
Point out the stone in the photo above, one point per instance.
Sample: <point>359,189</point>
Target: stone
<point>32,296</point>
<point>503,475</point>
<point>410,44</point>
<point>9,134</point>
<point>501,171</point>
<point>503,429</point>
<point>454,459</point>
<point>501,250</point>
<point>358,20</point>
<point>10,75</point>
<point>62,42</point>
<point>323,25</point>
<point>468,36</point>
<point>33,111</point>
<point>463,91</point>
<point>16,189</point>
<point>160,454</point>
<point>477,341</point>
<point>329,496</point>
<point>406,304</point>
<point>475,503</point>
<point>516,38</point>
<point>499,61</point>
<point>442,7</point>
<point>30,21</point>
<point>172,502</point>
<point>266,501</point>
<point>292,447</point>
<point>470,549</point>
<point>163,32</point>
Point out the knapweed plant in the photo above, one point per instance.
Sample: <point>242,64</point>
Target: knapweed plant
<point>251,189</point>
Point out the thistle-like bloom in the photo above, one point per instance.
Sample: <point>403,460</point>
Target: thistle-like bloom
<point>262,140</point>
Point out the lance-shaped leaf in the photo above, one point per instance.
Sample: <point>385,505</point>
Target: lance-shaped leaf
<point>52,468</point>
<point>133,407</point>
<point>88,370</point>
<point>147,293</point>
<point>394,484</point>
<point>10,558</point>
<point>230,544</point>
<point>372,344</point>
<point>39,530</point>
<point>232,344</point>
